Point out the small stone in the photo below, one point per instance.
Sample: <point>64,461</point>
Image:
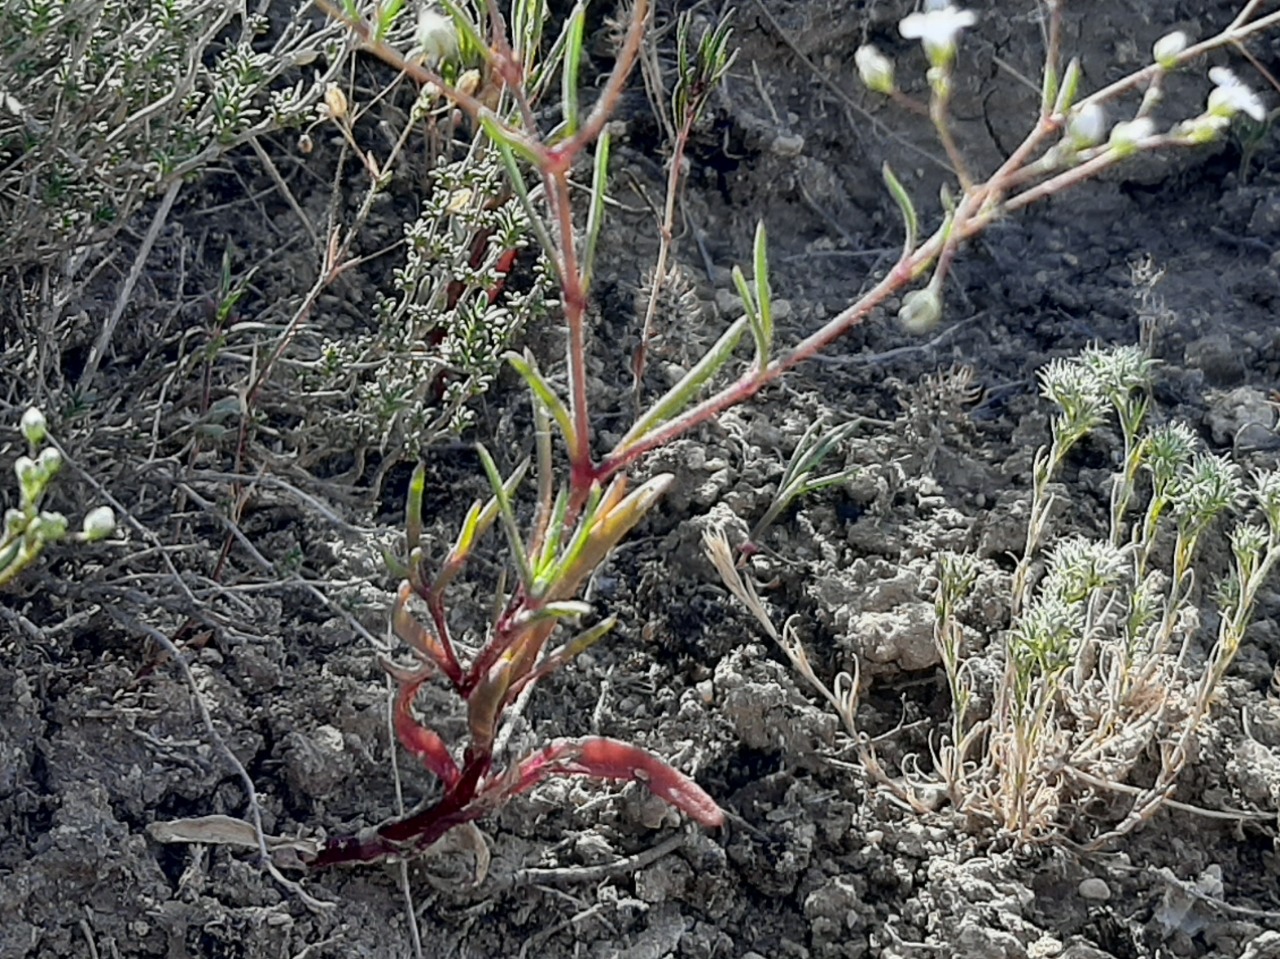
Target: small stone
<point>1244,419</point>
<point>1219,357</point>
<point>1095,890</point>
<point>787,145</point>
<point>728,303</point>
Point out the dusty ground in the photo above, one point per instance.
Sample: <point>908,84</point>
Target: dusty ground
<point>99,737</point>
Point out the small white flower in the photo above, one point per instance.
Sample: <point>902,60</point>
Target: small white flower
<point>1167,48</point>
<point>1086,125</point>
<point>1129,132</point>
<point>875,69</point>
<point>34,427</point>
<point>99,523</point>
<point>937,28</point>
<point>437,36</point>
<point>49,461</point>
<point>1230,96</point>
<point>25,468</point>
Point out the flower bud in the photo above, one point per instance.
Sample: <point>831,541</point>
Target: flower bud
<point>99,523</point>
<point>920,311</point>
<point>49,462</point>
<point>1086,125</point>
<point>1202,129</point>
<point>335,102</point>
<point>875,69</point>
<point>1126,134</point>
<point>51,527</point>
<point>1168,48</point>
<point>28,474</point>
<point>469,82</point>
<point>33,426</point>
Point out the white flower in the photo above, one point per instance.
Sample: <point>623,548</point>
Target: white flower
<point>1128,132</point>
<point>99,523</point>
<point>875,69</point>
<point>34,426</point>
<point>937,28</point>
<point>437,36</point>
<point>49,461</point>
<point>25,468</point>
<point>1168,47</point>
<point>1230,96</point>
<point>1086,125</point>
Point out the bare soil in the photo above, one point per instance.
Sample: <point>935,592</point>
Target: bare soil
<point>101,739</point>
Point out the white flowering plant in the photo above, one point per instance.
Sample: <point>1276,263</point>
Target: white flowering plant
<point>583,503</point>
<point>28,528</point>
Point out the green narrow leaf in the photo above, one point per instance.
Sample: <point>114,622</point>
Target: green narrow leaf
<point>764,295</point>
<point>516,177</point>
<point>1070,88</point>
<point>680,395</point>
<point>471,46</point>
<point>810,452</point>
<point>396,567</point>
<point>831,479</point>
<point>595,213</point>
<point>508,517</point>
<point>387,13</point>
<point>413,506</point>
<point>470,530</point>
<point>584,639</point>
<point>507,140</point>
<point>577,542</point>
<point>1049,89</point>
<point>567,652</point>
<point>477,522</point>
<point>561,609</point>
<point>527,17</point>
<point>908,209</point>
<point>546,474</point>
<point>572,63</point>
<point>748,298</point>
<point>616,518</point>
<point>555,531</point>
<point>544,71</point>
<point>529,372</point>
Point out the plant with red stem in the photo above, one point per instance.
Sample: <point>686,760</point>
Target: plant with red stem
<point>552,570</point>
<point>575,527</point>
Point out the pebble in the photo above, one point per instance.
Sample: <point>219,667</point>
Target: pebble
<point>787,145</point>
<point>1095,890</point>
<point>1242,418</point>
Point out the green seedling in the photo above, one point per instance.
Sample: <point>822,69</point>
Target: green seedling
<point>798,480</point>
<point>552,568</point>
